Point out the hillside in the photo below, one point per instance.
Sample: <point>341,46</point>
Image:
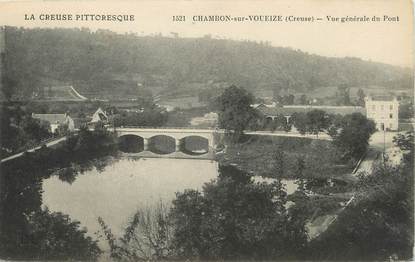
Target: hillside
<point>104,64</point>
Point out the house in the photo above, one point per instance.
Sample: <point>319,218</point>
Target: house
<point>99,116</point>
<point>384,110</point>
<point>56,120</point>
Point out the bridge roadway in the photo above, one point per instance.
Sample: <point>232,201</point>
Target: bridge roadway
<point>177,133</point>
<point>47,144</point>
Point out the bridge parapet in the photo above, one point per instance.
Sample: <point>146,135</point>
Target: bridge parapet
<point>167,127</point>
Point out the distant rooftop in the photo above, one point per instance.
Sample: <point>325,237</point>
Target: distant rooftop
<point>51,118</point>
<point>382,98</point>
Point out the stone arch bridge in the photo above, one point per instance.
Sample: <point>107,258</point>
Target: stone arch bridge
<point>178,134</point>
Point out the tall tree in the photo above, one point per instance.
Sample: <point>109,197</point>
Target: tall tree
<point>235,111</point>
<point>289,99</point>
<point>352,134</point>
<point>343,95</point>
<point>300,122</point>
<point>360,97</point>
<point>279,159</point>
<point>303,99</point>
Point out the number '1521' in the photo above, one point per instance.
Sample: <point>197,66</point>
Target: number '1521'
<point>179,18</point>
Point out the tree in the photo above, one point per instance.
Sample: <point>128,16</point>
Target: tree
<point>317,121</point>
<point>299,172</point>
<point>303,100</point>
<point>151,116</point>
<point>279,99</point>
<point>234,218</point>
<point>62,130</point>
<point>343,95</point>
<point>289,99</point>
<point>360,97</point>
<point>300,122</point>
<point>35,129</point>
<point>276,94</point>
<point>279,159</point>
<point>18,129</point>
<point>148,236</point>
<point>235,111</point>
<point>280,122</point>
<point>54,236</point>
<point>145,97</point>
<point>335,121</point>
<point>378,224</point>
<point>31,55</point>
<point>406,110</point>
<point>352,135</point>
<point>406,143</point>
<point>9,86</point>
<point>29,231</point>
<point>312,122</point>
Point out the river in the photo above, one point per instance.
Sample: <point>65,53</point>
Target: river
<point>125,186</point>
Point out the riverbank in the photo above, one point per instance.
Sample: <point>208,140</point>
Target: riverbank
<point>30,230</point>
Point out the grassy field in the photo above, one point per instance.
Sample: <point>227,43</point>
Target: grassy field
<point>257,155</point>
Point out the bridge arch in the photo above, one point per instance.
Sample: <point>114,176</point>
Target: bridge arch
<point>194,145</point>
<point>131,143</point>
<point>163,144</point>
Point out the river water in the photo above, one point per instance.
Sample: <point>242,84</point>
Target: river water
<point>125,186</point>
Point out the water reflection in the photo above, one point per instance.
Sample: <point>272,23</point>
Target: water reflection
<point>131,143</point>
<point>112,188</point>
<point>117,192</point>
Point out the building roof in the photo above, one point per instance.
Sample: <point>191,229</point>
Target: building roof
<point>99,116</point>
<point>382,98</point>
<point>51,118</point>
<point>289,110</point>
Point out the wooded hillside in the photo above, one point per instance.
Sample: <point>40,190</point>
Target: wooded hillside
<point>103,63</point>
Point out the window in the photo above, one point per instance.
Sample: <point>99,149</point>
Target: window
<point>391,107</point>
<point>373,107</point>
<point>391,116</point>
<point>381,107</point>
<point>390,126</point>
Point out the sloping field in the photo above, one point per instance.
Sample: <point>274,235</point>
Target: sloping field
<point>63,93</point>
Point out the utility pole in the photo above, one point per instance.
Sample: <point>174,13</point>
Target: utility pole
<point>384,142</point>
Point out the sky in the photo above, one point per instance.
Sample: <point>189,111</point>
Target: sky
<point>388,42</point>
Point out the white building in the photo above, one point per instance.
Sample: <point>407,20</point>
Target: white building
<point>55,120</point>
<point>384,111</point>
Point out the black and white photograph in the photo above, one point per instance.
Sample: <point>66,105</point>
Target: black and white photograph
<point>207,130</point>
